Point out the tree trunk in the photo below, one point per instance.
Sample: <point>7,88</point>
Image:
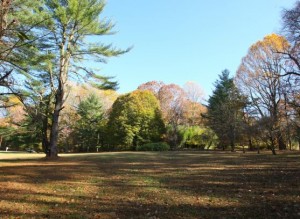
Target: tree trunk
<point>59,96</point>
<point>45,140</point>
<point>281,143</point>
<point>250,145</point>
<point>55,126</point>
<point>232,146</point>
<point>273,146</point>
<point>273,150</point>
<point>54,135</point>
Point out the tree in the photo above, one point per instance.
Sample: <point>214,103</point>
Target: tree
<point>173,100</point>
<point>37,100</point>
<point>198,137</point>
<point>89,128</point>
<point>21,131</point>
<point>18,19</point>
<point>135,119</point>
<point>259,78</point>
<point>193,108</point>
<point>153,86</point>
<point>69,27</point>
<point>291,27</point>
<point>180,107</point>
<point>193,91</point>
<point>225,110</point>
<point>69,118</point>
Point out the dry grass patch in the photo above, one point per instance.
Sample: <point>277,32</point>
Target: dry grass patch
<point>151,185</point>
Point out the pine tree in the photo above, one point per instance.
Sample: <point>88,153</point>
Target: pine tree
<point>69,27</point>
<point>224,113</point>
<point>89,128</point>
<point>18,22</point>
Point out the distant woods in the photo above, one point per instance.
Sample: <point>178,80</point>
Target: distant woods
<point>52,101</point>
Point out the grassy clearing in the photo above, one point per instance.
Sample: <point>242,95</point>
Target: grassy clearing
<point>150,185</point>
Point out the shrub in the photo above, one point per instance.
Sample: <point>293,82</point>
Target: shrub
<point>197,137</point>
<point>159,146</point>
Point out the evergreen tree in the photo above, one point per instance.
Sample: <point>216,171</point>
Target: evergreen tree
<point>89,128</point>
<point>224,110</point>
<point>18,52</point>
<point>69,28</point>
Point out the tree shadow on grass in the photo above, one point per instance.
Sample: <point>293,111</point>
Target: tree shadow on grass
<point>144,185</point>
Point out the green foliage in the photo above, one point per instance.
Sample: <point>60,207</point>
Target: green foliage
<point>135,119</point>
<point>89,128</point>
<point>225,110</point>
<point>79,20</point>
<point>62,41</point>
<point>19,20</point>
<point>198,137</point>
<point>159,146</point>
<point>19,139</point>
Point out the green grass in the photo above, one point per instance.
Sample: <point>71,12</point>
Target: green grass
<point>150,184</point>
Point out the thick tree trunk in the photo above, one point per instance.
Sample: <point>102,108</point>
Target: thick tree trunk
<point>55,125</point>
<point>54,135</point>
<point>45,141</point>
<point>59,96</point>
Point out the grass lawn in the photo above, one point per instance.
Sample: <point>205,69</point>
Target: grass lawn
<point>150,185</point>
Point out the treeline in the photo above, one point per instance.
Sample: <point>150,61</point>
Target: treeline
<point>95,120</point>
<point>259,107</point>
<point>52,101</point>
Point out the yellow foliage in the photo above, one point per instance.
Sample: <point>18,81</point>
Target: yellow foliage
<point>262,59</point>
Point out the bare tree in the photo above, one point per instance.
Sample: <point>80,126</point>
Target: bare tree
<point>194,107</point>
<point>259,78</point>
<point>291,29</point>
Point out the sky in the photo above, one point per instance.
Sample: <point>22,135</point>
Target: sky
<point>177,41</point>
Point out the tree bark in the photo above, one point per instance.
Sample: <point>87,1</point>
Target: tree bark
<point>281,143</point>
<point>272,146</point>
<point>59,96</point>
<point>232,146</point>
<point>55,122</point>
<point>45,123</point>
<point>250,145</point>
<point>273,150</point>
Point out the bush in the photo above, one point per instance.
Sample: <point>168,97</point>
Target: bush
<point>160,146</point>
<point>197,137</point>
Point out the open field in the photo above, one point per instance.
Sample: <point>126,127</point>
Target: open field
<point>150,185</point>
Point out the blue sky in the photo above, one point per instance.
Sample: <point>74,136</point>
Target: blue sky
<point>176,41</point>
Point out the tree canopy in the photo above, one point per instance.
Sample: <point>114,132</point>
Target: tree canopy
<point>135,119</point>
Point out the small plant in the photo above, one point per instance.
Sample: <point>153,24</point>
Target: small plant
<point>159,146</point>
